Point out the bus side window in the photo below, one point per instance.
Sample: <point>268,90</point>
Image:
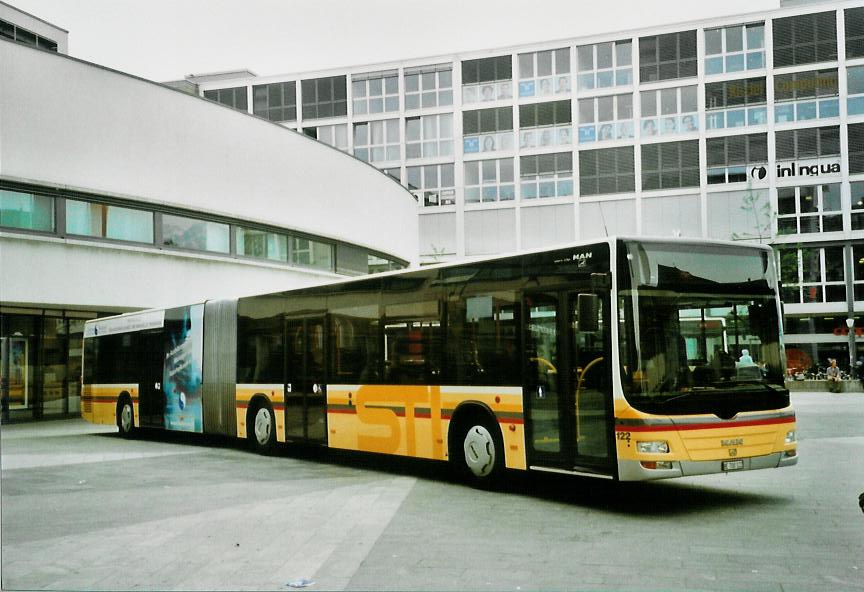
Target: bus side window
<point>413,351</point>
<point>355,350</point>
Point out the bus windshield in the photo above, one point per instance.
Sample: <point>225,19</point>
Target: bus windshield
<point>700,331</point>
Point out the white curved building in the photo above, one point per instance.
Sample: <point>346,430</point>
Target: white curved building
<point>117,193</point>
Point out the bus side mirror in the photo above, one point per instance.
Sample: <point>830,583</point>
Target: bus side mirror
<point>588,306</point>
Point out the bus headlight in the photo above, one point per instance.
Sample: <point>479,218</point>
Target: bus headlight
<point>656,447</point>
<point>791,436</point>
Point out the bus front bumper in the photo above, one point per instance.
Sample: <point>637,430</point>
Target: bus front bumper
<point>633,470</point>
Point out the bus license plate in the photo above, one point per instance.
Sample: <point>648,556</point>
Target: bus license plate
<point>732,465</point>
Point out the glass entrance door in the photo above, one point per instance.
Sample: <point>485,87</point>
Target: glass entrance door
<point>567,387</point>
<point>305,387</point>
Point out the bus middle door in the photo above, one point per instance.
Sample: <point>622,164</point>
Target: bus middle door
<point>151,372</point>
<point>305,386</point>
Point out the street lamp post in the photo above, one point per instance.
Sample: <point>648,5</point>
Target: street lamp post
<point>850,304</point>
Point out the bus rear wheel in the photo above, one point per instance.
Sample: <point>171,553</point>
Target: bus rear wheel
<point>479,453</point>
<point>263,432</point>
<point>125,418</point>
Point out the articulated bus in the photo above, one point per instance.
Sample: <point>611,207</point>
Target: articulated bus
<point>618,359</point>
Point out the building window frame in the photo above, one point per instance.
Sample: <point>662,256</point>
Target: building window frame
<point>234,97</point>
<point>735,48</point>
<point>853,20</point>
<point>616,175</point>
<point>487,130</point>
<point>807,209</point>
<point>487,79</point>
<point>545,124</point>
<point>94,220</point>
<point>654,51</point>
<point>378,140</point>
<point>543,73</point>
<point>606,118</point>
<point>275,102</point>
<point>489,180</point>
<point>736,103</point>
<point>432,184</point>
<point>855,89</point>
<point>323,98</point>
<point>428,87</point>
<point>736,160</point>
<point>804,96</point>
<point>807,143</point>
<point>670,165</point>
<point>12,31</point>
<point>604,65</point>
<point>658,117</point>
<point>335,135</point>
<point>546,175</point>
<point>818,34</point>
<point>429,136</point>
<point>40,217</point>
<point>810,275</point>
<point>375,93</point>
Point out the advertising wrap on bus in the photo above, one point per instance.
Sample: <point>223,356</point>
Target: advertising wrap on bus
<point>183,370</point>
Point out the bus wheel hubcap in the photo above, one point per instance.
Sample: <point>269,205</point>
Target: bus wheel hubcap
<point>479,451</point>
<point>126,417</point>
<point>262,426</point>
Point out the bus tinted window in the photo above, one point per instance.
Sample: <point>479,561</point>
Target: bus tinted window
<point>112,359</point>
<point>412,329</point>
<point>482,339</point>
<point>355,339</point>
<point>259,341</point>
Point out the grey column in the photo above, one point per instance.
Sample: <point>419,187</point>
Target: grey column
<point>850,301</point>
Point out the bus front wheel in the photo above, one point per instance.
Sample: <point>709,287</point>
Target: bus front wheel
<point>479,452</point>
<point>263,432</point>
<point>125,418</point>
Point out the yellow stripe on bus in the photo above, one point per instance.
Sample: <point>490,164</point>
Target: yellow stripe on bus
<point>413,420</point>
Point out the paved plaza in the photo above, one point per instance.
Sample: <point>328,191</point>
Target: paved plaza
<point>83,509</point>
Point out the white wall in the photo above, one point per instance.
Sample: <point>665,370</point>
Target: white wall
<point>57,273</point>
<point>70,123</point>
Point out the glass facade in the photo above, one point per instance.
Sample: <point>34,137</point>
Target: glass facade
<point>40,362</point>
<point>26,211</point>
<point>105,221</point>
<point>15,33</point>
<point>38,210</point>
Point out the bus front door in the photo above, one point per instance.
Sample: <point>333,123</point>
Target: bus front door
<point>566,391</point>
<point>305,386</point>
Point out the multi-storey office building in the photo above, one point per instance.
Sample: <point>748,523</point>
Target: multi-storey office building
<point>749,127</point>
<point>117,194</point>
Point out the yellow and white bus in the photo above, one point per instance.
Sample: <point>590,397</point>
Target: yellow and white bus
<point>571,360</point>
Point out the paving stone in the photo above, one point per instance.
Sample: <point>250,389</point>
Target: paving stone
<point>85,510</point>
